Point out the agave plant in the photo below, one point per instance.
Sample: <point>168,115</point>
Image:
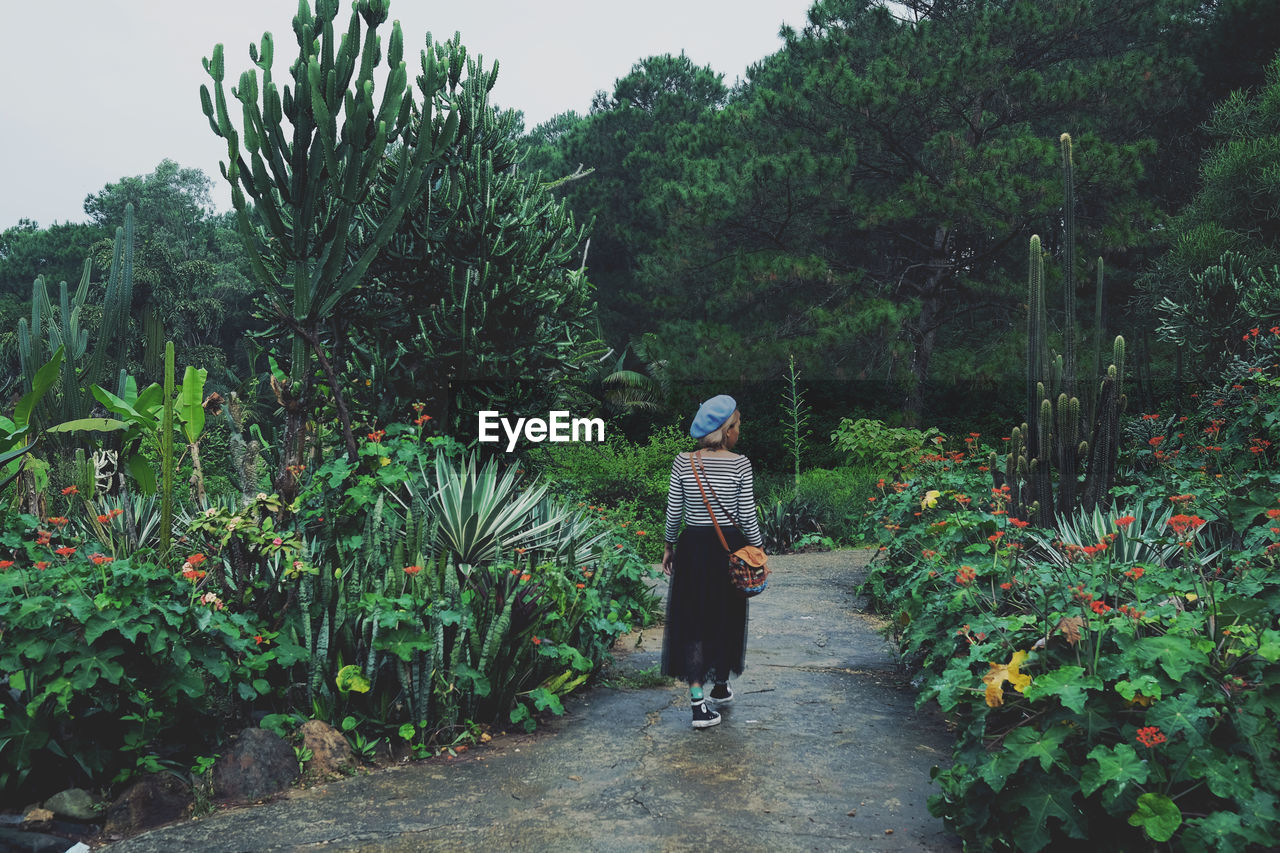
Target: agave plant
<point>1143,540</point>
<point>782,524</point>
<point>479,512</point>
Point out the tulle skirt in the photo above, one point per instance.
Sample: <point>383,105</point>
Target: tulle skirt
<point>705,637</point>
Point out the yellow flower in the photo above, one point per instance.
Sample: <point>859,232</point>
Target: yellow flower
<point>930,499</point>
<point>1002,672</point>
<point>383,460</point>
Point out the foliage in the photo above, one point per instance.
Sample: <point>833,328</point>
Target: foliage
<point>114,665</point>
<point>1124,686</point>
<point>309,180</point>
<point>480,298</point>
<point>870,443</point>
<point>837,496</point>
<point>785,522</point>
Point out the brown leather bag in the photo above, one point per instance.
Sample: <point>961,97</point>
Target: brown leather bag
<point>749,565</point>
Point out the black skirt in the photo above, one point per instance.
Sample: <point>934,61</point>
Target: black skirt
<point>705,637</point>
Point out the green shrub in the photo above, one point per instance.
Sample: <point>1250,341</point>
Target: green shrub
<point>114,666</point>
<point>872,444</point>
<point>617,471</point>
<point>838,498</point>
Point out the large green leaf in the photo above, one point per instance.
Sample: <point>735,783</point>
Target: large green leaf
<point>44,379</point>
<point>190,403</point>
<point>1118,766</point>
<point>1158,816</point>
<point>1068,683</point>
<point>89,425</point>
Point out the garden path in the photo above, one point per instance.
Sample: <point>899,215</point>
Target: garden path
<point>821,750</point>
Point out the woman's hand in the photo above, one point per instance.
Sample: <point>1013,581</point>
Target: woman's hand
<point>668,559</point>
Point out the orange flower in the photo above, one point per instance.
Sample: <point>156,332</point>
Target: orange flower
<point>581,586</point>
<point>103,519</point>
<point>1124,521</point>
<point>257,639</point>
<point>4,564</point>
<point>196,559</point>
<point>412,570</point>
<point>100,559</point>
<point>965,575</point>
<point>113,513</point>
<point>1182,523</point>
<point>1151,736</point>
<point>71,490</point>
<point>65,551</point>
<point>1018,523</point>
<point>376,435</point>
<point>191,574</point>
<point>42,565</point>
<point>526,577</point>
<point>58,520</point>
<point>537,641</point>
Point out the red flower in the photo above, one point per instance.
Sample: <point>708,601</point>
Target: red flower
<point>1155,442</point>
<point>1136,572</point>
<point>196,559</point>
<point>1124,521</point>
<point>100,559</point>
<point>965,575</point>
<point>1151,736</point>
<point>1182,523</point>
<point>412,570</point>
<point>103,519</point>
<point>526,577</point>
<point>65,551</point>
<point>1018,523</point>
<point>1273,513</point>
<point>376,435</point>
<point>4,564</point>
<point>71,490</point>
<point>42,565</point>
<point>257,639</point>
<point>193,575</point>
<point>537,641</point>
<point>1099,607</point>
<point>58,520</point>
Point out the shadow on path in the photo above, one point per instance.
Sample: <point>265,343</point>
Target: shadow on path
<point>821,750</point>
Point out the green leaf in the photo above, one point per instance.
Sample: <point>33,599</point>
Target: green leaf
<point>1158,816</point>
<point>141,471</point>
<point>350,679</point>
<point>1067,684</point>
<point>1144,684</point>
<point>1228,776</point>
<point>89,425</point>
<point>1044,798</point>
<point>43,381</point>
<point>190,403</point>
<point>1119,765</point>
<point>1180,715</point>
<point>407,731</point>
<point>1172,653</point>
<point>1046,747</point>
<point>544,699</point>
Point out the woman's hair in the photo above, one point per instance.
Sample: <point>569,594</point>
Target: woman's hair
<point>715,440</point>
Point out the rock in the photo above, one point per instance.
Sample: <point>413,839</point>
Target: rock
<point>154,799</point>
<point>74,804</point>
<point>331,755</point>
<point>258,764</point>
<point>17,841</point>
<point>37,817</point>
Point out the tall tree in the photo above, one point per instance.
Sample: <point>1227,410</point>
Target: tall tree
<point>480,289</point>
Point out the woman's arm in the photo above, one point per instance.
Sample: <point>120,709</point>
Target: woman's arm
<point>747,507</point>
<point>675,511</point>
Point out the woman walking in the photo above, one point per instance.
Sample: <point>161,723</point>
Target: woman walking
<point>706,630</point>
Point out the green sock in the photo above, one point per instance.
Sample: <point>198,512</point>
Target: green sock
<point>695,693</point>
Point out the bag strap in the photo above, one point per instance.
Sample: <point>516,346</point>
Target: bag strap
<point>715,496</point>
<point>693,458</point>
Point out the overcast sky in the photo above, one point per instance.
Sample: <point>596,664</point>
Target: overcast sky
<point>97,90</point>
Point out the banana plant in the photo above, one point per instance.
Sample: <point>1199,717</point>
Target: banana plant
<point>15,439</point>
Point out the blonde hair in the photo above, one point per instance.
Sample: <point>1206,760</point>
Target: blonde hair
<point>715,440</point>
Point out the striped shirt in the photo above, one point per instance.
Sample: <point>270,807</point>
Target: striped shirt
<point>730,478</point>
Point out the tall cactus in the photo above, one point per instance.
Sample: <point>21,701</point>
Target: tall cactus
<point>83,365</point>
<point>1047,448</point>
<point>297,190</point>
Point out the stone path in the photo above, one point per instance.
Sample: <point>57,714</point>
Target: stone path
<point>822,750</point>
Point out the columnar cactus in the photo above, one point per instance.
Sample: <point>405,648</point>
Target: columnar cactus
<point>298,189</point>
<point>1048,446</point>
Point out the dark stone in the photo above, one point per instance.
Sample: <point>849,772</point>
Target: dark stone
<point>17,841</point>
<point>155,799</point>
<point>259,764</point>
<point>331,755</point>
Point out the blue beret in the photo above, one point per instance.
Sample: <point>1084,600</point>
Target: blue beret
<point>712,415</point>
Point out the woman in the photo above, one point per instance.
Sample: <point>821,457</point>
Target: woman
<point>706,630</point>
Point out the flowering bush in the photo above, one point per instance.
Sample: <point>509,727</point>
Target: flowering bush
<point>1122,685</point>
<point>114,664</point>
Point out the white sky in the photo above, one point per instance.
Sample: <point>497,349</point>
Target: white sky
<point>95,90</point>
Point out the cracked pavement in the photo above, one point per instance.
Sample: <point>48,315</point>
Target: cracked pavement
<point>821,750</point>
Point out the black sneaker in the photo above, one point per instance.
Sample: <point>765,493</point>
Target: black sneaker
<point>703,717</point>
<point>721,694</point>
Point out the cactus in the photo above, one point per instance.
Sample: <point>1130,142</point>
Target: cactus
<point>1049,445</point>
<point>71,400</point>
<point>298,189</point>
